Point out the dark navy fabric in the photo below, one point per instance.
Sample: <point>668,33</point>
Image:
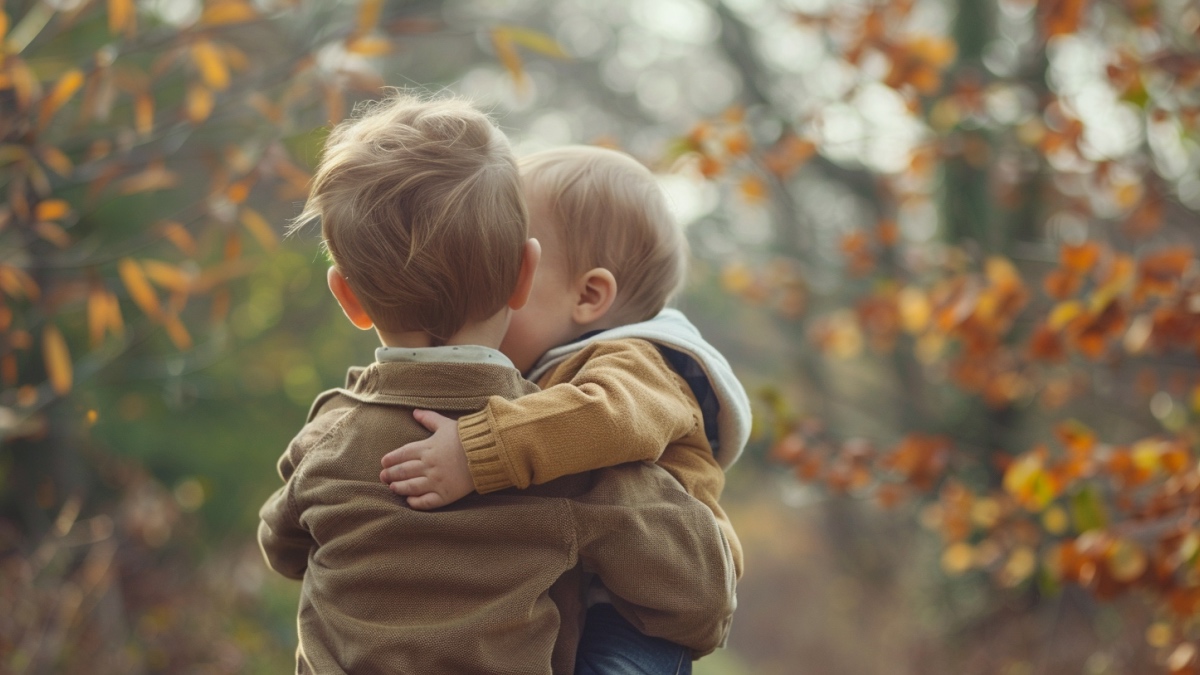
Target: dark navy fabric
<point>610,645</point>
<point>692,373</point>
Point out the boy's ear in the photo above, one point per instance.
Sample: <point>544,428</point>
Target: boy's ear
<point>530,257</point>
<point>597,292</point>
<point>348,300</point>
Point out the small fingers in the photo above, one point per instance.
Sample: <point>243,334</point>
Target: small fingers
<point>412,487</point>
<point>401,454</point>
<point>399,472</point>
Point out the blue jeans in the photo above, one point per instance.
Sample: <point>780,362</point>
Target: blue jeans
<point>611,646</point>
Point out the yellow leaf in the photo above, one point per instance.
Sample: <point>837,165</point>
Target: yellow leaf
<point>66,87</point>
<point>506,51</point>
<point>231,11</point>
<point>58,360</point>
<point>56,159</point>
<point>1061,315</point>
<point>260,228</point>
<point>121,14</point>
<point>3,26</point>
<point>155,177</point>
<point>167,276</point>
<point>53,233</point>
<point>24,83</point>
<point>199,103</point>
<point>51,209</point>
<point>1147,455</point>
<point>211,62</point>
<point>177,332</point>
<point>369,46</point>
<point>139,288</point>
<point>537,41</point>
<point>915,310</point>
<point>368,16</point>
<point>16,283</point>
<point>143,114</point>
<point>1027,481</point>
<point>178,235</point>
<point>97,315</point>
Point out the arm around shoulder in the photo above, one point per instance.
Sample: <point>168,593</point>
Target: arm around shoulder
<point>611,403</point>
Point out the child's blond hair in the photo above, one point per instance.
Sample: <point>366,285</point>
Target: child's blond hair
<point>609,211</point>
<point>421,210</point>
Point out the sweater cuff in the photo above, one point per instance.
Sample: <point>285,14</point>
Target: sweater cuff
<point>487,466</point>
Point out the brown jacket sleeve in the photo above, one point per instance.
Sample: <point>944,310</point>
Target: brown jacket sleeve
<point>660,554</point>
<point>611,403</point>
<point>284,541</point>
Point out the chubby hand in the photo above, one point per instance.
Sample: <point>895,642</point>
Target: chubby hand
<point>431,472</point>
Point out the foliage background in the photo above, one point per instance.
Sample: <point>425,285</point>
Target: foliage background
<point>947,245</point>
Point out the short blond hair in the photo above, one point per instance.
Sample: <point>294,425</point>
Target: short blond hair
<point>421,209</point>
<point>609,211</point>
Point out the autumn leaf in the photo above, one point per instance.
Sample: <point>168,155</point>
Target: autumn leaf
<point>368,16</point>
<point>122,16</point>
<point>259,228</point>
<point>57,359</point>
<point>139,288</point>
<point>63,90</point>
<point>211,64</point>
<point>178,235</point>
<point>143,114</point>
<point>369,46</point>
<point>199,103</point>
<point>51,209</point>
<point>225,12</point>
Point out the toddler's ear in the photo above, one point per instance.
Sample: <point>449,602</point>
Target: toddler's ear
<point>597,290</point>
<point>348,300</point>
<point>531,255</point>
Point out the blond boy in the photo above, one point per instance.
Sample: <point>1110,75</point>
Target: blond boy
<point>421,210</point>
<point>622,379</point>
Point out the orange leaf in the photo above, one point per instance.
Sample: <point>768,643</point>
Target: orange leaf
<point>121,16</point>
<point>369,46</point>
<point>368,16</point>
<point>1075,437</point>
<point>1061,17</point>
<point>139,288</point>
<point>51,209</point>
<point>199,103</point>
<point>156,177</point>
<point>229,11</point>
<point>1080,259</point>
<point>167,276</point>
<point>143,114</point>
<point>66,87</point>
<point>17,283</point>
<point>506,51</point>
<point>53,233</point>
<point>97,320</point>
<point>177,234</point>
<point>260,228</point>
<point>58,360</point>
<point>177,332</point>
<point>753,189</point>
<point>56,160</point>
<point>1160,273</point>
<point>211,62</point>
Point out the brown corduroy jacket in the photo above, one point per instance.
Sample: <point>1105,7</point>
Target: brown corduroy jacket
<point>493,583</point>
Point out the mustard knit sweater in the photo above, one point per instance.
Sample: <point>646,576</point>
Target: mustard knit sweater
<point>612,402</point>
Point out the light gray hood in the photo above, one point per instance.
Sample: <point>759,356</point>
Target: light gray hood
<point>671,329</point>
